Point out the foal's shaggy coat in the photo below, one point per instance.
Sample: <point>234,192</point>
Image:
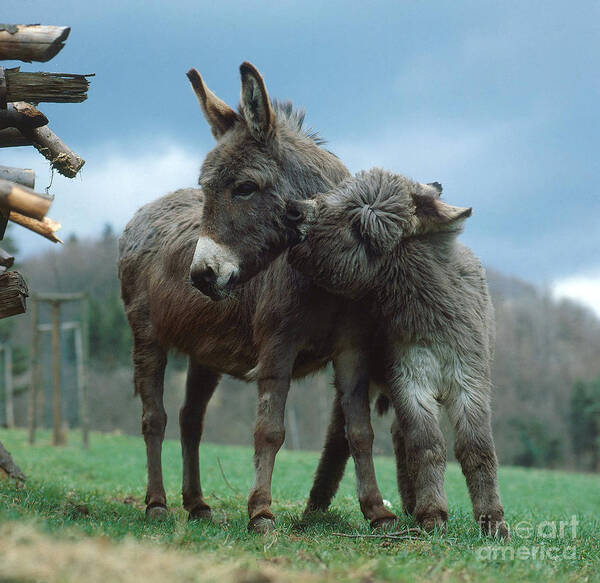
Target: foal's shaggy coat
<point>392,243</point>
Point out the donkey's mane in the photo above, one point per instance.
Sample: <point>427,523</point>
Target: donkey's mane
<point>294,120</point>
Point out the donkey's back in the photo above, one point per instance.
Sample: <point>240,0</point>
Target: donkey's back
<point>165,228</point>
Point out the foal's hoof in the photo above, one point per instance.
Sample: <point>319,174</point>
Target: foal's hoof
<point>261,525</point>
<point>494,527</point>
<point>157,512</point>
<point>200,513</point>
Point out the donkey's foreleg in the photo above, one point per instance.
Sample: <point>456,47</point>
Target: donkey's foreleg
<point>149,361</point>
<point>474,448</point>
<point>199,388</point>
<point>332,463</point>
<point>352,383</point>
<point>269,434</point>
<point>406,487</point>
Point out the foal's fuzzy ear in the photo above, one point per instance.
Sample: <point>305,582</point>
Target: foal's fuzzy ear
<point>437,187</point>
<point>434,214</point>
<point>256,105</point>
<point>218,114</point>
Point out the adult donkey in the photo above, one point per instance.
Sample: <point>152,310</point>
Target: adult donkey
<point>274,326</point>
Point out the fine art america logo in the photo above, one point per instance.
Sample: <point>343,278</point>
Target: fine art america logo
<point>549,540</point>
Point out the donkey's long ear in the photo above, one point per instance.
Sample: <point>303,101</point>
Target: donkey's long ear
<point>433,214</point>
<point>256,105</point>
<point>218,114</point>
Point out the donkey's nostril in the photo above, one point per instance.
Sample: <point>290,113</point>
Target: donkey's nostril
<point>293,214</point>
<point>201,277</point>
<point>209,275</point>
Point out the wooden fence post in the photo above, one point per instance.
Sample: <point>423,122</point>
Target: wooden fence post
<point>57,432</point>
<point>31,409</point>
<point>80,352</point>
<point>85,333</point>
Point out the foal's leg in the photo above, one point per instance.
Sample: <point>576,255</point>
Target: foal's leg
<point>474,449</point>
<point>332,463</point>
<point>274,378</point>
<point>199,388</point>
<point>406,487</point>
<point>149,361</point>
<point>352,383</point>
<point>413,391</point>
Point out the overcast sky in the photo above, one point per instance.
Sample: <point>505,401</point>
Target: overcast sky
<point>496,100</point>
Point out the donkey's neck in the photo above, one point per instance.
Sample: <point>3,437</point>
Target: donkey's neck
<point>423,291</point>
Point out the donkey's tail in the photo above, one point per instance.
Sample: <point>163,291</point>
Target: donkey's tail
<point>382,405</point>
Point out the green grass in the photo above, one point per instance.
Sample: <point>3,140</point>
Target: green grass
<point>71,491</point>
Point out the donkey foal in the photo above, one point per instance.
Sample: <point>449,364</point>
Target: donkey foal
<point>391,244</point>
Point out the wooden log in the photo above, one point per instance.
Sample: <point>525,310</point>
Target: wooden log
<point>8,468</point>
<point>23,200</point>
<point>38,87</point>
<point>21,115</point>
<point>46,227</point>
<point>6,260</point>
<point>32,42</point>
<point>23,176</point>
<point>13,294</point>
<point>12,137</point>
<point>61,157</point>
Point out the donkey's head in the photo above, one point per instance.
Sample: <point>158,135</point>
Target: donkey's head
<point>352,234</point>
<point>262,159</point>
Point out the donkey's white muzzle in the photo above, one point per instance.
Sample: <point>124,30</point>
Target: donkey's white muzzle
<point>214,270</point>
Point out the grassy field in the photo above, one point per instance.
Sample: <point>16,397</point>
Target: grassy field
<point>80,518</point>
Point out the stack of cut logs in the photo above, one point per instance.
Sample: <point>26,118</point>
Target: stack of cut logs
<point>22,124</point>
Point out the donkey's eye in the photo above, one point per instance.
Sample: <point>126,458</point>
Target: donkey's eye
<point>244,189</point>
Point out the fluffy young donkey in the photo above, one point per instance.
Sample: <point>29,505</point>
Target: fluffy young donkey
<point>391,244</point>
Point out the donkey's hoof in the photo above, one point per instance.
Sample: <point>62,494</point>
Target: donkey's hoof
<point>385,523</point>
<point>200,513</point>
<point>494,528</point>
<point>261,525</point>
<point>157,512</point>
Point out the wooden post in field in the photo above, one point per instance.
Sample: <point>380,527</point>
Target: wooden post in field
<point>85,344</point>
<point>58,437</point>
<point>81,357</point>
<point>31,410</point>
<point>8,387</point>
<point>80,329</point>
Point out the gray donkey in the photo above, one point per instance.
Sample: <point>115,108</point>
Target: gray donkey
<point>391,244</point>
<point>267,321</point>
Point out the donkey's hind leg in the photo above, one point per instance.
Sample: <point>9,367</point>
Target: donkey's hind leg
<point>406,486</point>
<point>199,388</point>
<point>149,361</point>
<point>470,414</point>
<point>332,463</point>
<point>413,391</point>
